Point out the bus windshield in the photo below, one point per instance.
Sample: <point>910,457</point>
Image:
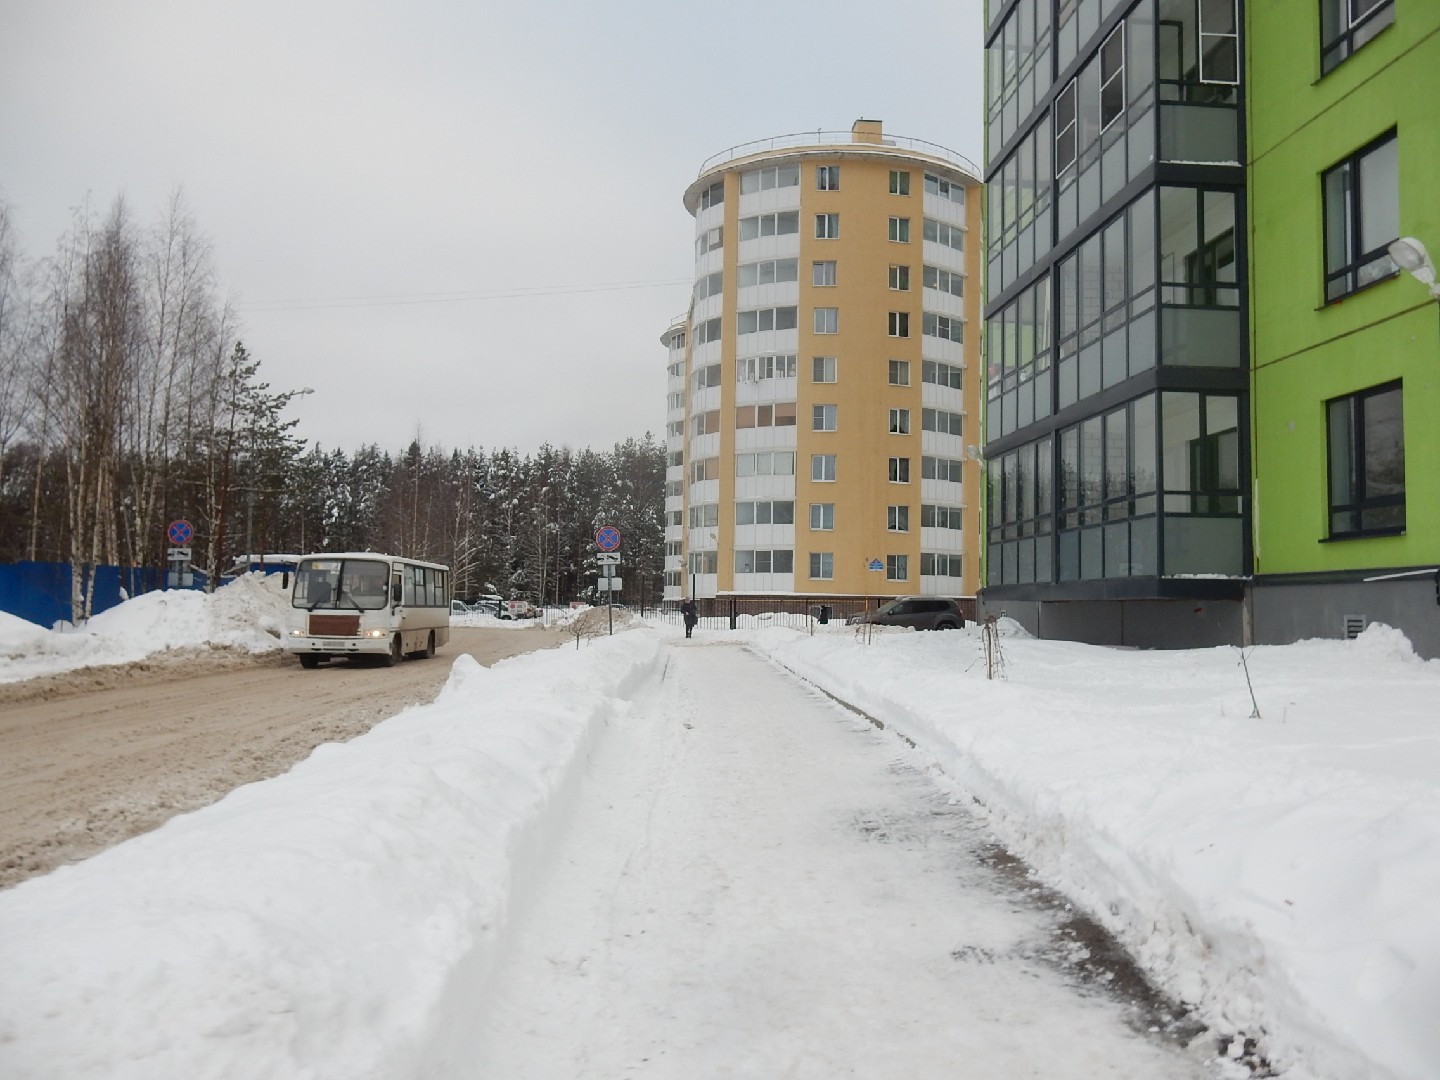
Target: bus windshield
<point>341,585</point>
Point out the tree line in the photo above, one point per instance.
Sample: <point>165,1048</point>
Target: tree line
<point>128,400</point>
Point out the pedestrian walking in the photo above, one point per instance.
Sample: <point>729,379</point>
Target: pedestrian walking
<point>691,614</point>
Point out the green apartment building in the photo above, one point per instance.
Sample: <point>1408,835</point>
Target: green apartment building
<point>1344,159</point>
<point>1213,397</point>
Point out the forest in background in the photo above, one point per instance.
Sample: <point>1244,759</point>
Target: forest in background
<point>128,400</point>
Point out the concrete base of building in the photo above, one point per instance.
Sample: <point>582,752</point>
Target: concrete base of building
<point>1141,624</point>
<point>1295,607</point>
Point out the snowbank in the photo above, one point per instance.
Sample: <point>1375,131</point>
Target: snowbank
<point>1278,872</point>
<point>248,613</point>
<point>331,922</point>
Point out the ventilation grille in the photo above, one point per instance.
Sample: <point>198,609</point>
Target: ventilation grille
<point>1355,625</point>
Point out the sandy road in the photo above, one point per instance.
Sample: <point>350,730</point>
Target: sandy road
<point>93,757</point>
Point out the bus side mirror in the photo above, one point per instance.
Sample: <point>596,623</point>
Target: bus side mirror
<point>395,593</point>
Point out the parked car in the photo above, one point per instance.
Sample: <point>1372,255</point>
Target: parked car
<point>921,612</point>
<point>459,607</point>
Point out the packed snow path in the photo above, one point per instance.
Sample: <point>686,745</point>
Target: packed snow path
<point>757,883</point>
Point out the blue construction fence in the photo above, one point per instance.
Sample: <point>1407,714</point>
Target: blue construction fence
<point>39,592</point>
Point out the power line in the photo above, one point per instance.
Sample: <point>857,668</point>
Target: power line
<point>402,299</point>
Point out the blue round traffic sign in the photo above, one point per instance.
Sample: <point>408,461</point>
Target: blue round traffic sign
<point>180,532</point>
<point>608,538</point>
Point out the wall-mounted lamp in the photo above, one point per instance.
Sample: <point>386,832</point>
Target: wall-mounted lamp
<point>1410,254</point>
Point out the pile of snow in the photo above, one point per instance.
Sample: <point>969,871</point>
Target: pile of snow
<point>335,921</point>
<point>248,613</point>
<point>1280,872</point>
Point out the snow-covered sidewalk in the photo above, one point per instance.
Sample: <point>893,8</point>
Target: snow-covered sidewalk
<point>758,884</point>
<point>1281,872</point>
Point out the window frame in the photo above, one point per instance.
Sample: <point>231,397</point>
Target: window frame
<point>899,182</point>
<point>827,226</point>
<point>827,177</point>
<point>1344,44</point>
<point>824,417</point>
<point>824,365</point>
<point>1355,454</point>
<point>1348,276</point>
<point>824,273</point>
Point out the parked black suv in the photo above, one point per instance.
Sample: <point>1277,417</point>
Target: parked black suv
<point>921,612</point>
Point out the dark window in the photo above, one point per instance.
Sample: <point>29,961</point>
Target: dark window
<point>1345,25</point>
<point>1367,463</point>
<point>1362,217</point>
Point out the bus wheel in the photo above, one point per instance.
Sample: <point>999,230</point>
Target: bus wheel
<point>427,652</point>
<point>396,654</point>
<point>309,662</point>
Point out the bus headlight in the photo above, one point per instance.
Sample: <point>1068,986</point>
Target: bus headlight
<point>375,633</point>
<point>297,633</point>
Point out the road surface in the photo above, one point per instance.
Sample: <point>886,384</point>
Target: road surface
<point>96,756</point>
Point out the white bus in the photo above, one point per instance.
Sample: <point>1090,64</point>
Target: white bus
<point>359,603</point>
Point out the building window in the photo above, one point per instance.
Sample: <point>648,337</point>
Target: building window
<point>1362,217</point>
<point>709,375</point>
<point>706,423</point>
<point>939,468</point>
<point>897,567</point>
<point>1112,77</point>
<point>899,372</point>
<point>827,320</point>
<point>704,562</point>
<point>765,512</point>
<point>1367,463</point>
<point>899,470</point>
<point>952,236</point>
<point>764,562</point>
<point>822,467</point>
<point>781,414</point>
<point>713,195</point>
<point>1219,42</point>
<point>823,369</point>
<point>827,178</point>
<point>897,518</point>
<point>940,565</point>
<point>947,423</point>
<point>1345,25</point>
<point>823,273</point>
<point>932,371</point>
<point>899,421</point>
<point>704,469</point>
<point>709,285</point>
<point>764,272</point>
<point>780,224</point>
<point>705,516</point>
<point>899,323</point>
<point>822,565</point>
<point>941,517</point>
<point>945,281</point>
<point>824,417</point>
<point>776,176</point>
<point>752,322</point>
<point>759,368</point>
<point>1065,129</point>
<point>900,278</point>
<point>899,182</point>
<point>900,230</point>
<point>827,226</point>
<point>945,189</point>
<point>822,517</point>
<point>942,326</point>
<point>766,463</point>
<point>707,331</point>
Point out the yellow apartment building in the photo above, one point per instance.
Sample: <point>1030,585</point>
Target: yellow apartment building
<point>824,403</point>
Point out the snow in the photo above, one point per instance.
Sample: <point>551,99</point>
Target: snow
<point>1277,872</point>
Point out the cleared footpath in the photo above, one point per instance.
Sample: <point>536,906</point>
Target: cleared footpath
<point>756,882</point>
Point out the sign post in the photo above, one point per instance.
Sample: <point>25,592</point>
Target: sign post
<point>607,539</point>
<point>179,533</point>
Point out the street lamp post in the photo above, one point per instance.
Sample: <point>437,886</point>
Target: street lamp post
<point>1410,254</point>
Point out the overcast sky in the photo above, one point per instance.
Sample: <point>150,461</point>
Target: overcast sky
<point>461,219</point>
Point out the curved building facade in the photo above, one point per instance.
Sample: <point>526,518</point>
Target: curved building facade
<point>829,358</point>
